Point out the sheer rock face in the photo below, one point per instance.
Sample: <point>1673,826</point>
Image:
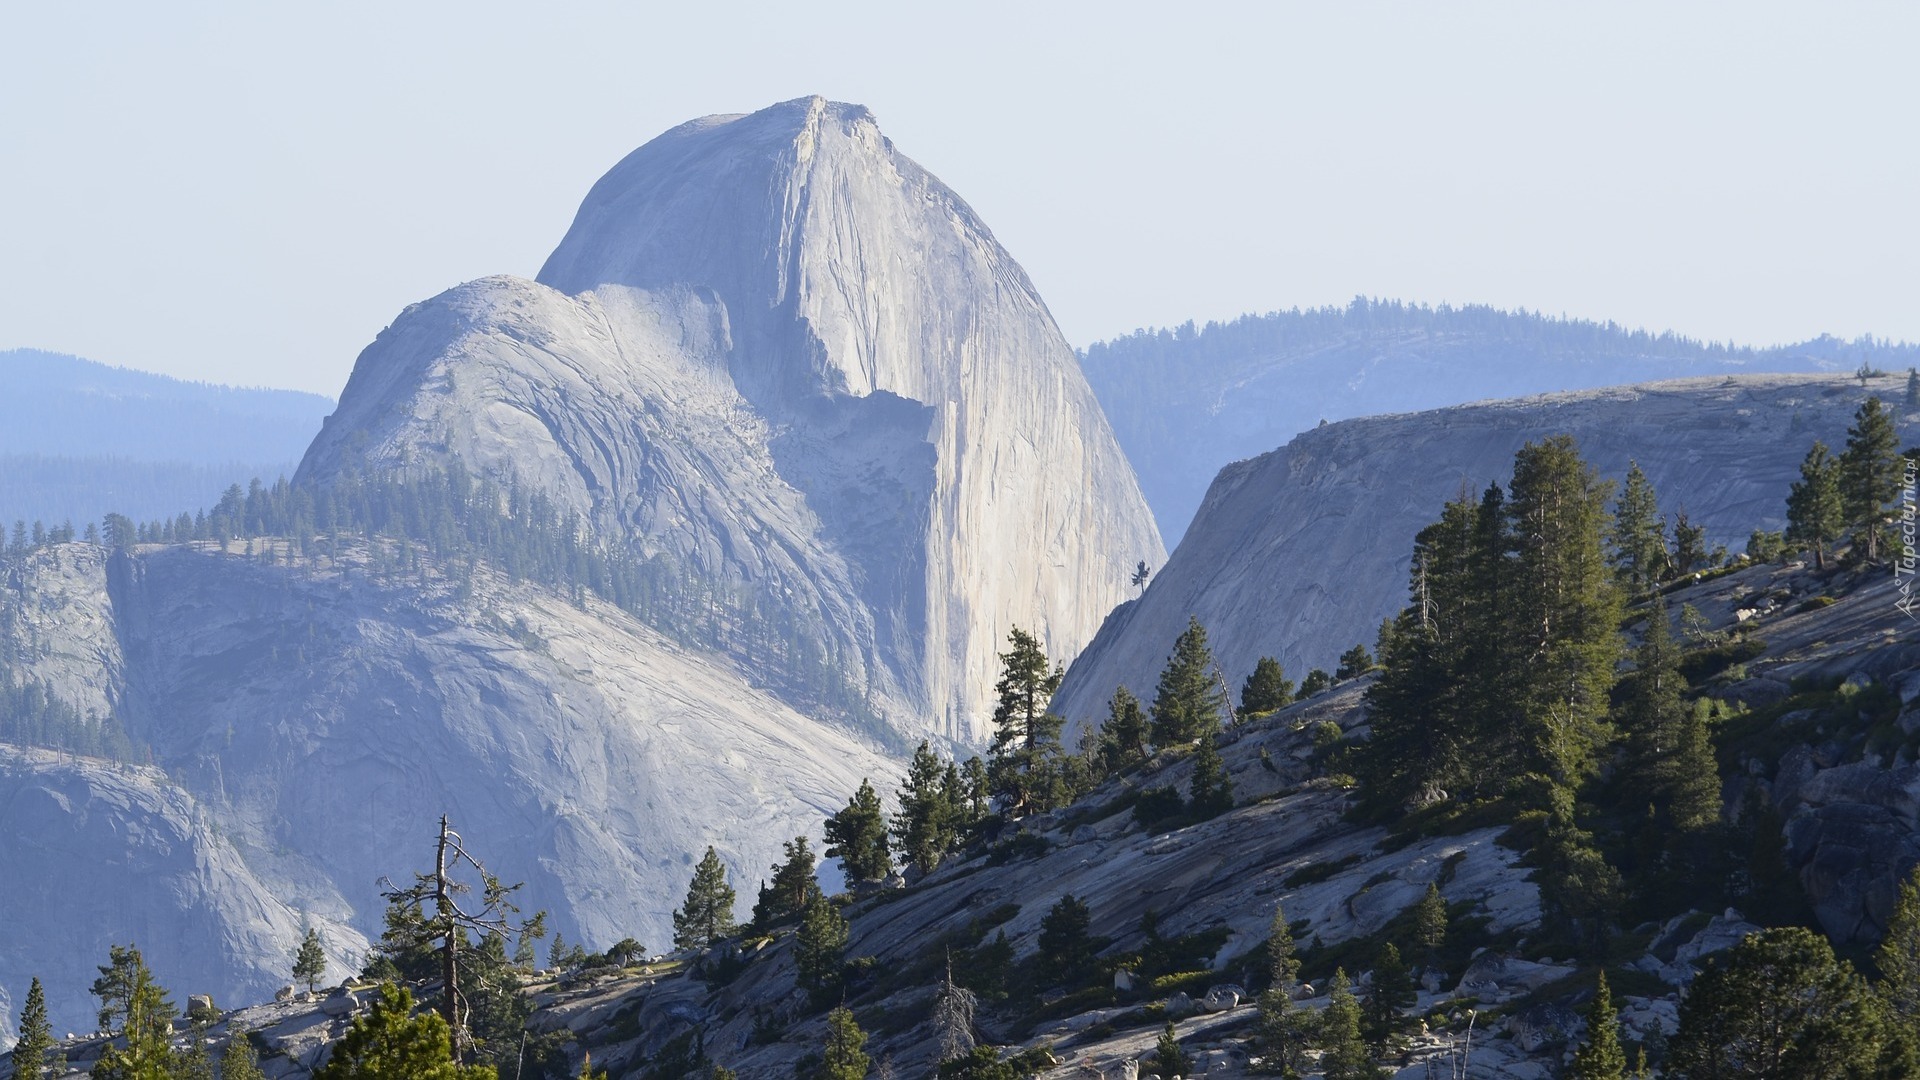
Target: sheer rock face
<point>102,854</point>
<point>1300,553</point>
<point>311,723</point>
<point>780,350</point>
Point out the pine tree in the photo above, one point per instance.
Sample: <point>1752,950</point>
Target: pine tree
<point>1913,387</point>
<point>1898,956</point>
<point>1430,920</point>
<point>1391,993</point>
<point>1637,545</point>
<point>1343,1050</point>
<point>1692,776</point>
<point>1282,1031</point>
<point>1870,474</point>
<point>820,947</point>
<point>391,1043</point>
<point>1210,791</point>
<point>1564,607</point>
<point>1653,710</point>
<point>793,888</point>
<point>1815,513</point>
<point>1189,699</point>
<point>707,914</point>
<point>36,1036</point>
<point>923,829</point>
<point>845,1057</point>
<point>128,988</point>
<point>1169,1059</point>
<point>464,928</point>
<point>193,1062</point>
<point>1689,544</point>
<point>857,836</point>
<point>1267,689</point>
<point>1066,944</point>
<point>1026,735</point>
<point>309,960</point>
<point>1123,737</point>
<point>1423,728</point>
<point>1354,663</point>
<point>1600,1057</point>
<point>241,1061</point>
<point>1579,889</point>
<point>1778,1004</point>
<point>1316,682</point>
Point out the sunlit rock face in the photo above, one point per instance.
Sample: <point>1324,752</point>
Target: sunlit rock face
<point>776,348</point>
<point>1300,553</point>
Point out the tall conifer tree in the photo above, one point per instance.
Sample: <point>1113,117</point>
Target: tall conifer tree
<point>857,836</point>
<point>36,1036</point>
<point>1815,514</point>
<point>1267,688</point>
<point>1870,474</point>
<point>1123,737</point>
<point>1637,540</point>
<point>1026,737</point>
<point>923,827</point>
<point>1189,699</point>
<point>707,914</point>
<point>1564,607</point>
<point>1600,1057</point>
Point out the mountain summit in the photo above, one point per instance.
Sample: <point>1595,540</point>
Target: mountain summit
<point>776,355</point>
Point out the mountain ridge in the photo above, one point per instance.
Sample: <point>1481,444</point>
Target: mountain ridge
<point>1188,400</point>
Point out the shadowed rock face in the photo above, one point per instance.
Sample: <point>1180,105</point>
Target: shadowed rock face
<point>311,723</point>
<point>1301,552</point>
<point>776,348</point>
<point>101,854</point>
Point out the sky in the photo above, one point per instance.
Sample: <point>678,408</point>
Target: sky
<point>248,193</point>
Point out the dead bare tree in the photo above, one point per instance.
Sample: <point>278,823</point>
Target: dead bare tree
<point>451,923</point>
<point>953,1007</point>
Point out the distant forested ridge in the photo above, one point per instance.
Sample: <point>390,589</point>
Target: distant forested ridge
<point>79,439</point>
<point>1188,400</point>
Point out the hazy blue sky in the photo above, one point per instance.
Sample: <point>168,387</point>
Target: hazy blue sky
<point>249,192</point>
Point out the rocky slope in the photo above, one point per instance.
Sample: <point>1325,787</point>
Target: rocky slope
<point>777,350</point>
<point>1187,401</point>
<point>1299,553</point>
<point>1845,800</point>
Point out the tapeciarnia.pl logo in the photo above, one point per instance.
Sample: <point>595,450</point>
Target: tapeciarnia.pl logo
<point>1903,563</point>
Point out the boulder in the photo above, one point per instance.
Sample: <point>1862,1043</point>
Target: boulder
<point>1180,1005</point>
<point>1223,997</point>
<point>1496,977</point>
<point>1124,981</point>
<point>1542,1026</point>
<point>1721,933</point>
